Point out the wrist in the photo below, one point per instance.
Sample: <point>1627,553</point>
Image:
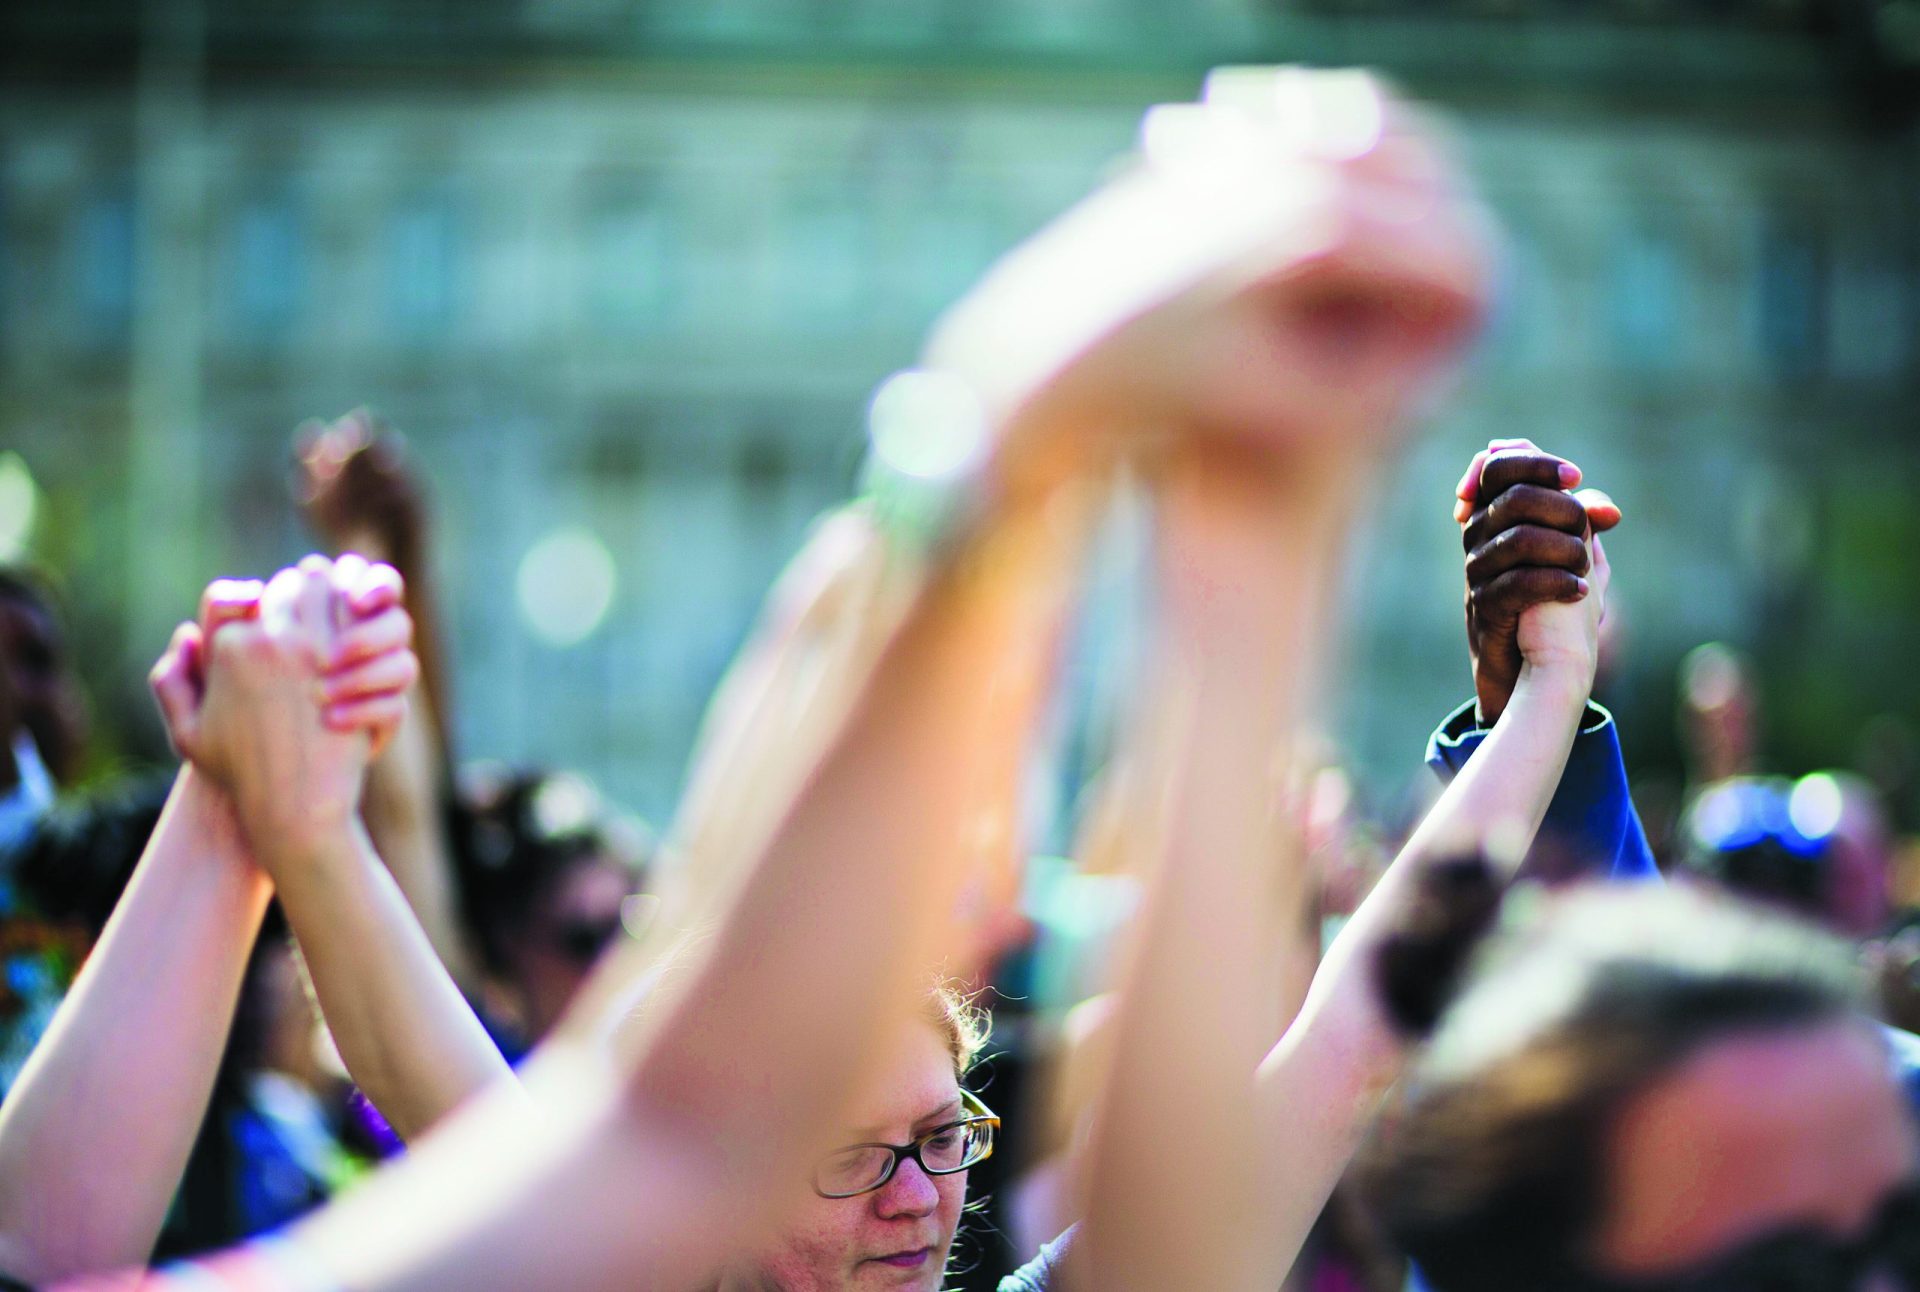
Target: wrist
<point>307,860</point>
<point>1490,701</point>
<point>1560,684</point>
<point>211,807</point>
<point>291,826</point>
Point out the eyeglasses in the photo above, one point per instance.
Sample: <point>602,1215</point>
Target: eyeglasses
<point>1803,1259</point>
<point>862,1168</point>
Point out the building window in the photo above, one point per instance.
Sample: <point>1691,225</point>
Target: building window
<point>266,268</point>
<point>1790,300</point>
<point>630,259</point>
<point>101,261</point>
<point>1872,308</point>
<point>1645,279</point>
<point>827,259</point>
<point>423,265</point>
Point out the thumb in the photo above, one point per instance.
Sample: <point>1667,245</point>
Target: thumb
<point>1602,512</point>
<point>176,681</point>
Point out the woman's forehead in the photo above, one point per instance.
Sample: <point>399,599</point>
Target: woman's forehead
<point>912,1082</point>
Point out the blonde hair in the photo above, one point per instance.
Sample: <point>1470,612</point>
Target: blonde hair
<point>961,1021</point>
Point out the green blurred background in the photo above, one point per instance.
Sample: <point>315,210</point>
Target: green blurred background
<point>624,272</point>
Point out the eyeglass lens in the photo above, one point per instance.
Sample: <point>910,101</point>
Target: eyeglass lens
<point>862,1167</point>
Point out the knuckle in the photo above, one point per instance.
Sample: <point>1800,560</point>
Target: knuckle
<point>1484,562</point>
<point>1564,512</point>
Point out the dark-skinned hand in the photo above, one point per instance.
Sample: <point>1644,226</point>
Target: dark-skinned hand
<point>1525,539</point>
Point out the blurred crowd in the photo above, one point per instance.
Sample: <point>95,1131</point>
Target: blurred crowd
<point>522,876</point>
<point>1251,1033</point>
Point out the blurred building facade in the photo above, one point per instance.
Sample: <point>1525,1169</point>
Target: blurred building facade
<point>624,273</point>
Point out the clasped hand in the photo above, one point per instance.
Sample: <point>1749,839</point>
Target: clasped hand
<point>282,693</point>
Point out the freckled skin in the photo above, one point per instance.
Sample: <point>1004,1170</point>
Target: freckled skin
<point>831,1244</point>
<point>1753,1134</point>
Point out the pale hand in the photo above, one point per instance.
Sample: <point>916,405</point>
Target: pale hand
<point>1293,259</point>
<point>280,694</point>
<point>1561,639</point>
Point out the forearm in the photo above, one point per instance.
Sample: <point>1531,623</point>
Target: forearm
<point>123,1075</point>
<point>1242,601</point>
<point>567,1190</point>
<point>408,1037</point>
<point>1322,1084</point>
<point>404,815</point>
<point>852,900</point>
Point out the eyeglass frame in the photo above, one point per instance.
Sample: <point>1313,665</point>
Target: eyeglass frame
<point>978,1115</point>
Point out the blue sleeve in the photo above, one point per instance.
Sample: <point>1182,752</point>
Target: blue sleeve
<point>1591,820</point>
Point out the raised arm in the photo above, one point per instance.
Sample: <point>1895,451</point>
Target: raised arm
<point>1322,1083</point>
<point>1102,335</point>
<point>360,492</point>
<point>1520,529</point>
<point>1251,537</point>
<point>295,774</point>
<point>123,1075</point>
<point>859,843</point>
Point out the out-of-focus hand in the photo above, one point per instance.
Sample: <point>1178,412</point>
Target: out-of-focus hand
<point>280,693</point>
<point>1526,545</point>
<point>1291,261</point>
<point>358,490</point>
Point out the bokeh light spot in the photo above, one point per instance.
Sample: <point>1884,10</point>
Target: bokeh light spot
<point>566,586</point>
<point>927,425</point>
<point>18,502</point>
<point>1815,805</point>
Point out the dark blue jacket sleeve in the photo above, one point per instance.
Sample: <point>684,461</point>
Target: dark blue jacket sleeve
<point>1591,819</point>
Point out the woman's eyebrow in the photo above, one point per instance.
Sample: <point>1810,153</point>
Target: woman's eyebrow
<point>944,1113</point>
<point>871,1134</point>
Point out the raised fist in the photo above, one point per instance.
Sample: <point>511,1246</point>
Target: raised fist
<point>358,490</point>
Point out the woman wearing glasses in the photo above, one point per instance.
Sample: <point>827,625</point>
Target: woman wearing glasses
<point>886,1204</point>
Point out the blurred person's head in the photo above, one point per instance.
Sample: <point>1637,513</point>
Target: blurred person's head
<point>1650,1088</point>
<point>545,870</point>
<point>44,695</point>
<point>874,1217</point>
<point>1718,712</point>
<point>1819,846</point>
